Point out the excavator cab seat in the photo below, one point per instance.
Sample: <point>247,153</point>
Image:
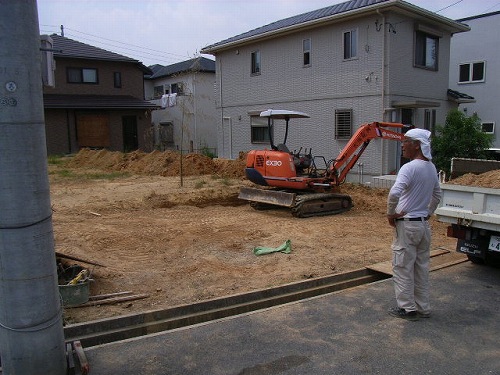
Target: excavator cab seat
<point>282,147</point>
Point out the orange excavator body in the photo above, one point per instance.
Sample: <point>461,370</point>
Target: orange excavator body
<point>295,178</point>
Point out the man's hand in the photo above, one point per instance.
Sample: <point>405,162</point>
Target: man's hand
<point>392,218</point>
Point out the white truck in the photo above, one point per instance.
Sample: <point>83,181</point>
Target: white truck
<point>474,217</point>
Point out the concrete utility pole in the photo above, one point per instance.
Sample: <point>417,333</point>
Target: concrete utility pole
<point>31,330</point>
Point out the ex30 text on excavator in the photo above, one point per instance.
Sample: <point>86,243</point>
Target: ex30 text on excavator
<point>294,180</point>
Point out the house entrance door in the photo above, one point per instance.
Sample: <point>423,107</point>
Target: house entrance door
<point>407,119</point>
<point>129,126</point>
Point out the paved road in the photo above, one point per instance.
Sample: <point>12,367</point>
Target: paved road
<point>348,332</point>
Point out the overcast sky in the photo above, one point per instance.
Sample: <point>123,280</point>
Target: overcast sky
<point>168,31</point>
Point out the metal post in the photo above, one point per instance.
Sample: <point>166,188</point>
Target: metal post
<point>31,330</point>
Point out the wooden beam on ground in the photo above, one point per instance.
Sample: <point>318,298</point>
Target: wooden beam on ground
<point>61,255</point>
<point>106,296</point>
<point>110,301</point>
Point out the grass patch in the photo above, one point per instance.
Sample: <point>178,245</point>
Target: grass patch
<point>200,184</point>
<point>226,181</point>
<point>65,173</point>
<point>106,176</point>
<point>55,160</point>
<point>69,174</point>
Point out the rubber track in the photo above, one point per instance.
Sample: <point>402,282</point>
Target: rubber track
<point>303,200</point>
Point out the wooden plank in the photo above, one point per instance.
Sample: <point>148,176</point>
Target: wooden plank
<point>383,267</point>
<point>109,301</point>
<point>451,263</point>
<point>386,267</point>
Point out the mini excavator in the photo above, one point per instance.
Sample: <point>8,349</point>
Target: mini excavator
<point>293,179</point>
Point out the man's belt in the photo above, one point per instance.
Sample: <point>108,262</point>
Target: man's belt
<point>412,218</point>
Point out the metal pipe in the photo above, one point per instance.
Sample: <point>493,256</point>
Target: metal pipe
<point>360,173</point>
<point>31,329</point>
<point>382,92</point>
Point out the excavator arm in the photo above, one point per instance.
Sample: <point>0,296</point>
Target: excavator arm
<point>350,154</point>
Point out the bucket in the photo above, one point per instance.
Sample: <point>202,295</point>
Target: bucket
<point>72,294</point>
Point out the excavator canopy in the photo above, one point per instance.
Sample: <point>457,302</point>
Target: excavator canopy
<point>283,114</point>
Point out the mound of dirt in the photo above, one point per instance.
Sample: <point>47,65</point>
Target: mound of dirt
<point>489,179</point>
<point>159,163</point>
<point>169,163</point>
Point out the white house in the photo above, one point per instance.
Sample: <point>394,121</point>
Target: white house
<point>351,63</point>
<point>187,119</point>
<point>475,69</point>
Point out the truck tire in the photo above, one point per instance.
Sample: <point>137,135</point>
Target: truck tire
<point>475,260</point>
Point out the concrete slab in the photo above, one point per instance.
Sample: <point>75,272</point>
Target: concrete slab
<point>384,182</point>
<point>348,332</point>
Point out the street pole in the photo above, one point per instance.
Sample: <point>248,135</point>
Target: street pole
<point>31,329</point>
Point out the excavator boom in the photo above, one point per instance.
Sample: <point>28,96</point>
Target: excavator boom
<point>350,154</point>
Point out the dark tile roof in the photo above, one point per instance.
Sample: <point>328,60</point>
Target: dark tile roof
<point>301,18</point>
<point>478,16</point>
<point>154,68</point>
<point>69,48</point>
<point>198,64</point>
<point>96,101</point>
<point>460,97</point>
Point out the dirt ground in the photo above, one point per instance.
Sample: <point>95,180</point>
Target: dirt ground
<point>189,239</point>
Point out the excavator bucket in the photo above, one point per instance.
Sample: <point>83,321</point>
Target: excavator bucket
<point>277,198</point>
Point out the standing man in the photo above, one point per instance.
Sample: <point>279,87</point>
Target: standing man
<point>412,200</point>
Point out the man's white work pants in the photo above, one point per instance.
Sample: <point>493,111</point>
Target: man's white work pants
<point>410,265</point>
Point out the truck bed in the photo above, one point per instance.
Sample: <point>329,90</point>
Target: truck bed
<point>470,206</point>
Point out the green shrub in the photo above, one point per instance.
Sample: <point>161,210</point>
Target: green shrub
<point>460,137</point>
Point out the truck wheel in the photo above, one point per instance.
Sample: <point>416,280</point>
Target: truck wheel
<point>492,260</point>
<point>475,260</point>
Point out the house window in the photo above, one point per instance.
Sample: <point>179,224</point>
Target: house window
<point>117,79</point>
<point>158,91</point>
<point>343,123</point>
<point>350,44</point>
<point>306,51</point>
<point>81,75</point>
<point>430,120</point>
<point>471,72</point>
<point>426,50</point>
<point>260,130</point>
<point>177,88</point>
<point>488,127</point>
<point>256,62</point>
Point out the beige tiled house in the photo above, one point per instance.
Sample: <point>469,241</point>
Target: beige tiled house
<point>347,64</point>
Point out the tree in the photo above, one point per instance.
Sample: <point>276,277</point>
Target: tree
<point>460,137</point>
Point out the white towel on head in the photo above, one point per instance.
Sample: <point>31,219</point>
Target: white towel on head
<point>424,137</point>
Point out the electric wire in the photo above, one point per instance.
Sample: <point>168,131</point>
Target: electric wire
<point>449,6</point>
<point>492,7</point>
<point>142,51</point>
<point>154,54</point>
